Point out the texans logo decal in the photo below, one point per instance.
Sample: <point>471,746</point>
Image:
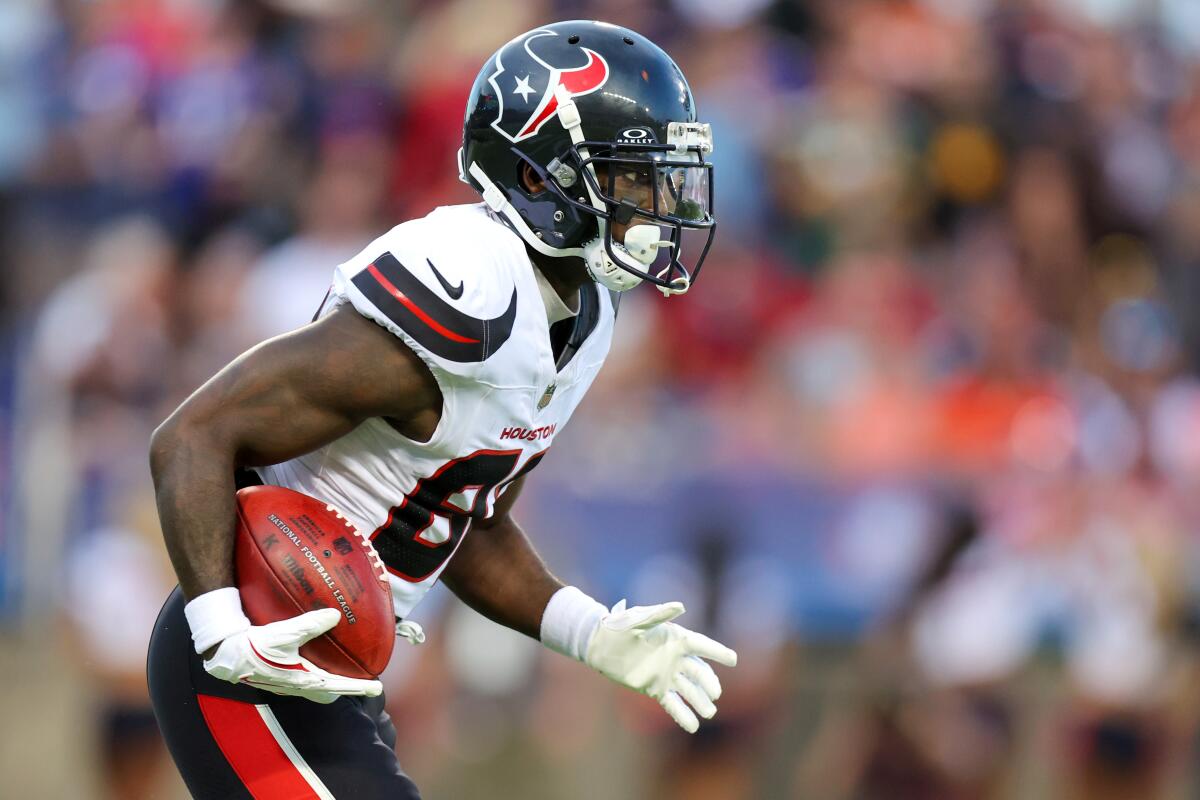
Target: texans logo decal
<point>528,77</point>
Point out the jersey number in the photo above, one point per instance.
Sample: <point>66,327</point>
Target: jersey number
<point>410,544</point>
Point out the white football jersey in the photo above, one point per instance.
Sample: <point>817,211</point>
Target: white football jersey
<point>458,288</point>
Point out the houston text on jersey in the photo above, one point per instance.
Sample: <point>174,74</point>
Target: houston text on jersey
<point>528,434</point>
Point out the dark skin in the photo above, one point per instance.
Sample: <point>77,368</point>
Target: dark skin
<point>281,399</point>
<point>296,393</point>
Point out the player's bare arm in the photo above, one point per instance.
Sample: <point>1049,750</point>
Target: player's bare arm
<point>497,572</point>
<point>283,398</point>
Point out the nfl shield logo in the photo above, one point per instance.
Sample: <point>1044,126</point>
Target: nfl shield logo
<point>547,396</point>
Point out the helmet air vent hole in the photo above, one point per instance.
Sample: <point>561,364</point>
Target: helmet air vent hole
<point>573,39</point>
<point>627,40</point>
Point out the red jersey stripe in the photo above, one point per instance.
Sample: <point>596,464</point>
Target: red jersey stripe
<point>414,308</point>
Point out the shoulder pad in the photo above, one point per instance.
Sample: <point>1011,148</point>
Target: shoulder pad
<point>451,297</point>
<point>428,317</point>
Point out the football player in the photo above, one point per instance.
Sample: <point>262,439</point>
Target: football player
<point>438,371</point>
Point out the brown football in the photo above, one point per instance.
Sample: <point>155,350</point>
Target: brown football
<point>294,554</point>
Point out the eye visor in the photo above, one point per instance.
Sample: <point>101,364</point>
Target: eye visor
<point>652,181</point>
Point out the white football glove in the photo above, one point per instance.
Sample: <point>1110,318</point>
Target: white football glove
<point>268,657</point>
<point>410,631</point>
<point>641,648</point>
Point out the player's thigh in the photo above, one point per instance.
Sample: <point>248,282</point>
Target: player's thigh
<point>233,741</point>
<point>177,708</point>
<point>290,747</point>
<point>349,745</point>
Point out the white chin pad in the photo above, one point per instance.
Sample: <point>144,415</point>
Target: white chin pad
<point>604,270</point>
<point>640,248</point>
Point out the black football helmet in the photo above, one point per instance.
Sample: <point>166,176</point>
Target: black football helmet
<point>606,120</point>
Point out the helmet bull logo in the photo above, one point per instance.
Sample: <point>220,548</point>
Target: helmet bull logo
<point>525,82</point>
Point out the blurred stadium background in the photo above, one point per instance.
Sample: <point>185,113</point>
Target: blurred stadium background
<point>923,445</point>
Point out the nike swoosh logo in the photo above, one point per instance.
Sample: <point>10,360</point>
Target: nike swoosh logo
<point>455,292</point>
<point>429,317</point>
<point>272,663</point>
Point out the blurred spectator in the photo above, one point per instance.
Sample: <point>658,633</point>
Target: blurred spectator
<point>343,212</point>
<point>114,581</point>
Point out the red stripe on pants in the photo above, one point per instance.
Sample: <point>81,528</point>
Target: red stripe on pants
<point>251,749</point>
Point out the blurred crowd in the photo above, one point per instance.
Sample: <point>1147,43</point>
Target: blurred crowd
<point>923,444</point>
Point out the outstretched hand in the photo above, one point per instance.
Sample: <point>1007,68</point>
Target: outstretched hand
<point>641,648</point>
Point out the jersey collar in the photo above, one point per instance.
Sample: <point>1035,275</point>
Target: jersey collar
<point>556,309</point>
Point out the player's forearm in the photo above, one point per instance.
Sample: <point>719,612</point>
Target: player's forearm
<point>195,493</point>
<point>497,572</point>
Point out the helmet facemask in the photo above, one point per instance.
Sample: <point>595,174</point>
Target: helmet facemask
<point>644,187</point>
<point>656,193</point>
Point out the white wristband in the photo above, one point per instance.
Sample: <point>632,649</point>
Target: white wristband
<point>570,619</point>
<point>214,616</point>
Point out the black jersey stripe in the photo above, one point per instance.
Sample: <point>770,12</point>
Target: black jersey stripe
<point>424,315</point>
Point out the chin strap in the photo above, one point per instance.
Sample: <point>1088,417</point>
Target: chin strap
<point>678,285</point>
<point>641,246</point>
<point>604,270</point>
<point>494,198</point>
